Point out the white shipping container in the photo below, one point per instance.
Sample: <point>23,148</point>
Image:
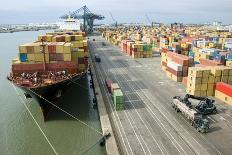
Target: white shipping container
<point>174,66</point>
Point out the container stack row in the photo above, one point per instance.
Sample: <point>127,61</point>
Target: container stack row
<point>117,94</point>
<point>136,49</point>
<point>53,52</point>
<point>198,57</point>
<point>202,80</point>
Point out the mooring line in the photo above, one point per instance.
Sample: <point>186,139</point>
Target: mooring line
<point>23,102</point>
<point>66,112</point>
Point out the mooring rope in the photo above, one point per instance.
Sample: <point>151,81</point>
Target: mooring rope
<point>23,102</point>
<point>66,112</point>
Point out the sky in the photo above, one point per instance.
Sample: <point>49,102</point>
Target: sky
<point>124,11</point>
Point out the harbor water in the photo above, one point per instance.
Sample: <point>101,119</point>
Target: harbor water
<point>23,130</point>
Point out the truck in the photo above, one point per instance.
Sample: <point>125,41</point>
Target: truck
<point>197,121</point>
<point>97,58</point>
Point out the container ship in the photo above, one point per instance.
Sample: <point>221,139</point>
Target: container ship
<point>44,69</point>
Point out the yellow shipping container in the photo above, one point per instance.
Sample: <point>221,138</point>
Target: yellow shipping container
<point>225,98</point>
<point>215,71</point>
<point>140,48</point>
<point>225,71</point>
<point>204,87</point>
<point>194,92</point>
<point>67,57</point>
<point>60,47</point>
<point>53,39</point>
<point>37,48</point>
<point>217,79</point>
<point>74,59</point>
<point>210,92</point>
<point>80,53</point>
<point>85,43</point>
<point>79,37</point>
<point>74,54</point>
<point>46,57</point>
<point>22,49</point>
<point>67,38</point>
<point>230,78</point>
<point>204,80</point>
<point>31,57</point>
<point>39,57</point>
<point>211,86</point>
<point>211,45</point>
<point>230,73</point>
<point>195,71</point>
<point>81,66</point>
<point>49,38</point>
<point>183,45</point>
<point>195,80</point>
<point>203,93</point>
<point>211,79</point>
<point>193,86</point>
<point>77,44</point>
<point>225,79</point>
<point>67,48</point>
<point>229,63</point>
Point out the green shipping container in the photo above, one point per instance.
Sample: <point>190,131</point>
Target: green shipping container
<point>118,99</point>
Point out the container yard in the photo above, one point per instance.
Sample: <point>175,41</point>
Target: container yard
<point>147,123</point>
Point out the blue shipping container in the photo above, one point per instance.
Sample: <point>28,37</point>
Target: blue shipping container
<point>229,56</point>
<point>23,57</point>
<point>196,62</point>
<point>219,57</point>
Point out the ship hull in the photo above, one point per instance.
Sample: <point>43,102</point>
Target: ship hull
<point>48,95</point>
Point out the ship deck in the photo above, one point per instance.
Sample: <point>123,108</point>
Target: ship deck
<point>149,125</point>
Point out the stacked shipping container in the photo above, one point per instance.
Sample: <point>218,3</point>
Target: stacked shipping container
<point>224,92</point>
<point>68,52</point>
<point>175,65</point>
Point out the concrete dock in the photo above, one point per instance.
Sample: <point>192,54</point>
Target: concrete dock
<point>111,145</point>
<point>149,125</point>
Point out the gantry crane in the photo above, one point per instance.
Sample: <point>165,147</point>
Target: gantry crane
<point>115,22</point>
<point>87,16</point>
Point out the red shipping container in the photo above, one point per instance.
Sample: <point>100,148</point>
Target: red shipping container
<point>207,62</point>
<point>180,60</point>
<point>52,56</point>
<point>224,88</point>
<point>185,73</point>
<point>176,73</point>
<point>185,80</point>
<point>26,68</point>
<point>108,84</point>
<point>170,54</point>
<point>51,48</point>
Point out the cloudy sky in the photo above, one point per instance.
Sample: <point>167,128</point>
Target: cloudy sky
<point>167,11</point>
